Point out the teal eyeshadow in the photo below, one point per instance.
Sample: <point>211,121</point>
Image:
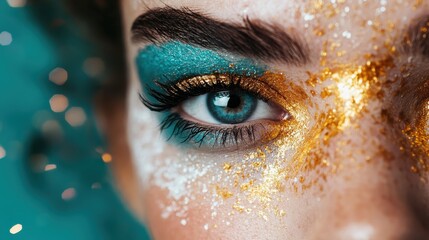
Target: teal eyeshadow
<point>173,61</point>
<point>200,139</point>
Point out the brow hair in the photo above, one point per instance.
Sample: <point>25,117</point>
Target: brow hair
<point>416,41</point>
<point>251,38</point>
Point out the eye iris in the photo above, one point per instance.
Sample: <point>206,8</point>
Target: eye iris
<point>232,106</point>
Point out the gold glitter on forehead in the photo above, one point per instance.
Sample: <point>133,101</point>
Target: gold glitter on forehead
<point>343,27</point>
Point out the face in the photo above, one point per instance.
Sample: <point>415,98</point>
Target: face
<point>277,119</point>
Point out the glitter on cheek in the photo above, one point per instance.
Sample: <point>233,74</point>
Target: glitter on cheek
<point>142,133</point>
<point>163,166</point>
<point>255,184</point>
<point>243,181</point>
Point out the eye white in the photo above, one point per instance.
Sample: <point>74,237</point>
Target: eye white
<point>196,108</point>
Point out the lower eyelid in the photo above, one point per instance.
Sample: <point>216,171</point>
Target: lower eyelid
<point>224,138</point>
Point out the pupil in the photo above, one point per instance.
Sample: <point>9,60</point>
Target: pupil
<point>231,107</point>
<point>234,101</point>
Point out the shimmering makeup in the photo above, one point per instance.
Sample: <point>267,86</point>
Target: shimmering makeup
<point>173,61</point>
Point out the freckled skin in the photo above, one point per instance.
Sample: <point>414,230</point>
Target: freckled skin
<point>346,177</point>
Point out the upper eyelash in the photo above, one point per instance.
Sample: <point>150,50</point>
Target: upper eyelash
<point>171,95</point>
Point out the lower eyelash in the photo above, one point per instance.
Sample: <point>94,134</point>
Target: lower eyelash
<point>186,131</point>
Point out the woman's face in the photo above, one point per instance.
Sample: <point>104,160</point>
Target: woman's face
<point>278,119</point>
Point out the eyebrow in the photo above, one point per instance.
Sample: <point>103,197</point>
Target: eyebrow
<point>416,41</point>
<point>255,39</point>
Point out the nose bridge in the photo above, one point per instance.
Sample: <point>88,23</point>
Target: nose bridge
<point>355,105</point>
<point>363,139</point>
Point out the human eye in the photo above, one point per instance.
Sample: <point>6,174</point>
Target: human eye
<point>224,106</point>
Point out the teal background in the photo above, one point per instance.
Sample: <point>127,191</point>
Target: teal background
<point>28,195</point>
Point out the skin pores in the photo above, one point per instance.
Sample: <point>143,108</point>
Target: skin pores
<point>343,166</point>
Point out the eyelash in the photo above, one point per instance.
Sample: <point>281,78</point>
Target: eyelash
<point>221,136</point>
<point>170,96</point>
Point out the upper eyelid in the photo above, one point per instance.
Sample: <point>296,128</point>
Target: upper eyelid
<point>174,61</point>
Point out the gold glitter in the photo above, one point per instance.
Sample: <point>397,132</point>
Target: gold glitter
<point>259,181</point>
<point>326,92</point>
<point>227,167</point>
<point>264,85</point>
<point>319,32</point>
<point>417,4</point>
<point>223,192</point>
<point>341,53</point>
<point>328,9</point>
<point>352,92</point>
<point>238,208</point>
